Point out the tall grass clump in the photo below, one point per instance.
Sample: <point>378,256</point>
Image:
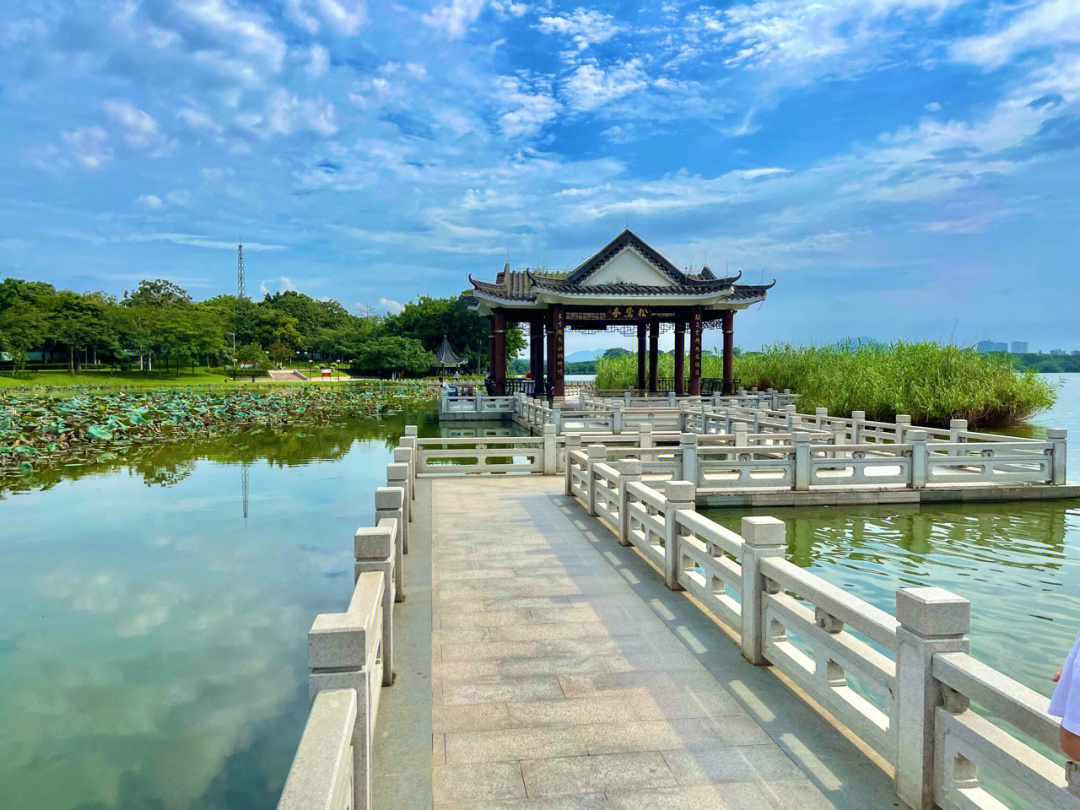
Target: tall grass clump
<point>931,382</point>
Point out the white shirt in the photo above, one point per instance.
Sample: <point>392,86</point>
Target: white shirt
<point>1066,700</point>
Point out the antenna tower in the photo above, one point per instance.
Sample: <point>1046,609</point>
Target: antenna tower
<point>240,293</point>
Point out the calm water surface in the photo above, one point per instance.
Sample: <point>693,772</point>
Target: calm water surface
<point>153,638</point>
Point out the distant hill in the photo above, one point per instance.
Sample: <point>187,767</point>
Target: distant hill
<point>583,355</point>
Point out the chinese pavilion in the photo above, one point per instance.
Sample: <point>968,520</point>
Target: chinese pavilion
<point>626,285</point>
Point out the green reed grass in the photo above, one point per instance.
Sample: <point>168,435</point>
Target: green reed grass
<point>931,382</point>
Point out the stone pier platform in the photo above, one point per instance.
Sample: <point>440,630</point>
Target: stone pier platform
<point>549,667</point>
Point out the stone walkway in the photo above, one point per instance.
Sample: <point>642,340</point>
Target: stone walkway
<point>556,685</point>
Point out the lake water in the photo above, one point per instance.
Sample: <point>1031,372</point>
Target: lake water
<point>153,637</point>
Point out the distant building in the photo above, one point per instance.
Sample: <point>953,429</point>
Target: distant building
<point>988,346</point>
<point>1058,352</point>
<point>1019,347</point>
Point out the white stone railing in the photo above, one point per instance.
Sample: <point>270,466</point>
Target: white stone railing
<point>350,655</point>
<point>485,454</point>
<point>902,685</point>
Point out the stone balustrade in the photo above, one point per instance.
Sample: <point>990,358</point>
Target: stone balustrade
<point>351,657</point>
<point>903,685</point>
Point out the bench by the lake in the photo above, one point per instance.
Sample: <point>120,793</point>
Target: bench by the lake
<point>591,636</point>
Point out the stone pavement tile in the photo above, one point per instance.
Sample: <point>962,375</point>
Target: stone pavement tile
<point>525,602</point>
<point>553,777</point>
<point>438,750</point>
<point>739,729</point>
<point>469,717</point>
<point>579,711</point>
<point>477,781</point>
<point>582,613</point>
<point>544,630</point>
<point>517,689</point>
<point>661,704</point>
<point>747,763</point>
<point>649,735</point>
<point>459,635</point>
<point>583,801</point>
<point>491,649</point>
<point>725,796</point>
<point>449,573</point>
<point>540,742</point>
<point>520,667</point>
<point>797,794</point>
<point>481,619</point>
<point>581,685</point>
<point>627,662</point>
<point>470,669</point>
<point>653,799</point>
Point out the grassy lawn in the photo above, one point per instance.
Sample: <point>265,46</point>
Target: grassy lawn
<point>120,379</point>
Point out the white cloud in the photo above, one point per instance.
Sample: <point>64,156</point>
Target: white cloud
<point>286,113</point>
<point>318,62</point>
<point>252,33</point>
<point>149,201</point>
<point>198,120</point>
<point>1038,25</point>
<point>343,17</point>
<point>524,113</point>
<point>590,87</point>
<point>198,241</point>
<point>390,306</point>
<point>453,19</point>
<point>584,27</point>
<point>138,128</point>
<point>89,146</point>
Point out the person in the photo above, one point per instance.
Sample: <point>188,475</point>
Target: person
<point>1065,702</point>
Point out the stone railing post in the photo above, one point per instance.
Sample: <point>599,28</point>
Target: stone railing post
<point>597,454</point>
<point>932,620</point>
<point>689,461</point>
<point>337,657</point>
<point>919,468</point>
<point>759,419</point>
<point>763,537</point>
<point>617,420</point>
<point>409,443</point>
<point>626,399</point>
<point>903,425</point>
<point>479,400</point>
<point>802,460</point>
<point>1058,438</point>
<point>858,427</point>
<point>820,415</point>
<point>404,455</point>
<point>551,450</point>
<point>389,503</point>
<point>791,415</point>
<point>397,475</point>
<point>444,403</point>
<point>373,550</point>
<point>956,428</point>
<point>556,416</point>
<point>644,435</point>
<point>573,442</point>
<point>629,470</point>
<point>740,435</point>
<point>716,399</point>
<point>679,495</point>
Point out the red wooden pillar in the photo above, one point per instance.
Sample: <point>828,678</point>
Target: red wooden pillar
<point>695,352</point>
<point>680,338</point>
<point>491,346</point>
<point>500,353</point>
<point>641,355</point>
<point>654,352</point>
<point>727,319</point>
<point>537,366</point>
<point>557,350</point>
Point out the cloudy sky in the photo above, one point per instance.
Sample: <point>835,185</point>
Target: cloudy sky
<point>903,168</point>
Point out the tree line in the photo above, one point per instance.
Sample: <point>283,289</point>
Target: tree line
<point>160,324</point>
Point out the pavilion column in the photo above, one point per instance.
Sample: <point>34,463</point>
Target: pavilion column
<point>491,346</point>
<point>536,330</point>
<point>680,338</point>
<point>500,353</point>
<point>727,319</point>
<point>556,351</point>
<point>695,352</point>
<point>641,355</point>
<point>654,351</point>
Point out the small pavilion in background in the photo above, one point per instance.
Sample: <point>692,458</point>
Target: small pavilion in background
<point>445,359</point>
<point>628,286</point>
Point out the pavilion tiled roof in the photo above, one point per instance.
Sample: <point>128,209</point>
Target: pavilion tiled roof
<point>445,356</point>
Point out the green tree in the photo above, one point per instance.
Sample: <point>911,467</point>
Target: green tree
<point>82,322</point>
<point>280,353</point>
<point>427,319</point>
<point>393,353</point>
<point>22,327</point>
<point>158,293</point>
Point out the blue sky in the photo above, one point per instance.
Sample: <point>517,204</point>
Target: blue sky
<point>903,168</point>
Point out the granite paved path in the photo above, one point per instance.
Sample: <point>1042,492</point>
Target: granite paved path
<point>556,685</point>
